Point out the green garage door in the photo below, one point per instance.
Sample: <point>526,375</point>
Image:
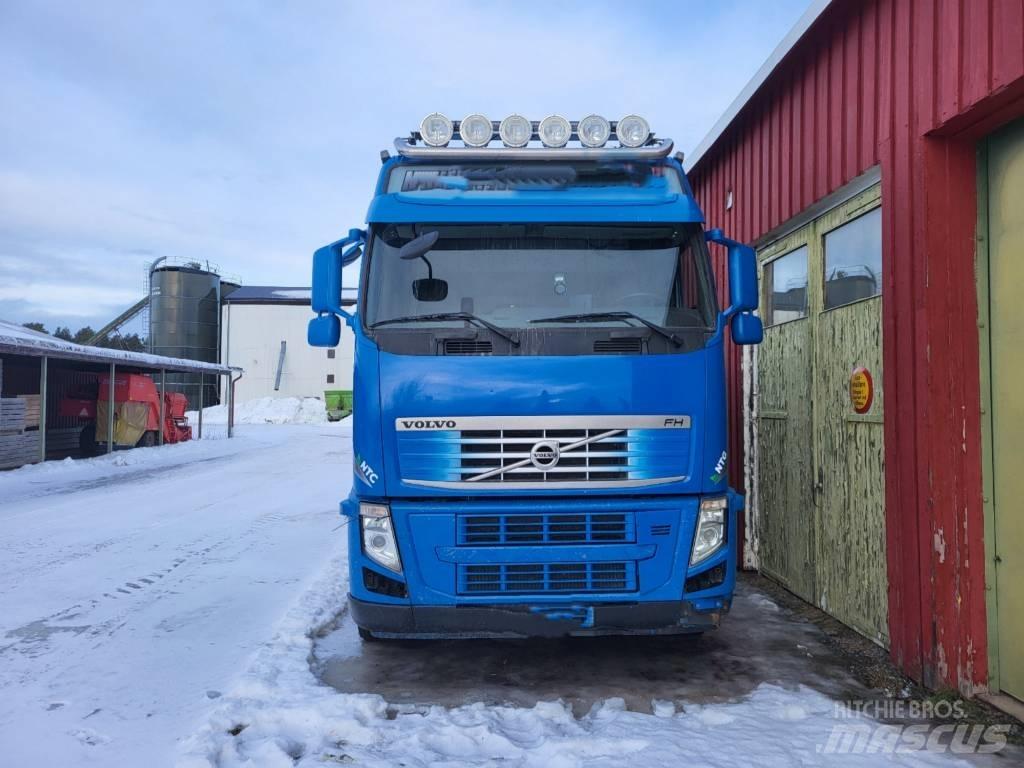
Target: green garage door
<point>820,475</point>
<point>1005,280</point>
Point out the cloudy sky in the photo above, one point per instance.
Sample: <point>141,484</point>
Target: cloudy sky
<point>248,133</point>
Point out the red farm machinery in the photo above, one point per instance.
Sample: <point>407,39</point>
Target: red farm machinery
<point>136,413</point>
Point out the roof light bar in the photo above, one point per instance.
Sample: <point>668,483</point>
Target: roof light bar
<point>632,134</point>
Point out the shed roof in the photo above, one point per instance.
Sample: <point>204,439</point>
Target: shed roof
<point>18,340</point>
<point>811,15</point>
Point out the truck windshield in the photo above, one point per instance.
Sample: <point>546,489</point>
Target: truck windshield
<point>542,275</point>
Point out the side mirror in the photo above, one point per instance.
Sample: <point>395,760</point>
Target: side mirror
<point>325,298</point>
<point>324,331</point>
<point>430,289</point>
<point>742,273</point>
<point>746,329</point>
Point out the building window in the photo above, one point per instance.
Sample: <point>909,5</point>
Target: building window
<point>853,260</point>
<point>786,279</point>
<point>330,378</point>
<point>330,354</point>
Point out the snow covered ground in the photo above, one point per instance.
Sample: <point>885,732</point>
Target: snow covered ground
<point>162,607</point>
<point>134,588</point>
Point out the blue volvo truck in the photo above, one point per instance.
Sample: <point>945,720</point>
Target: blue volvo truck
<point>539,428</point>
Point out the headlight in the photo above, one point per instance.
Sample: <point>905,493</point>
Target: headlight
<point>710,529</point>
<point>476,131</point>
<point>436,130</point>
<point>594,131</point>
<point>554,131</point>
<point>632,131</point>
<point>379,536</point>
<point>515,131</point>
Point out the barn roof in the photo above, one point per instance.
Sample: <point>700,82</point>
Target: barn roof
<point>18,340</point>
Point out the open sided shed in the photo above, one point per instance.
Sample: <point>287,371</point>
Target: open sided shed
<point>37,370</point>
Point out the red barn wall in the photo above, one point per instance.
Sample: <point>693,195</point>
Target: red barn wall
<point>910,86</point>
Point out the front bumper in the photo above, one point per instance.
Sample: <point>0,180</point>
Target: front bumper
<point>520,621</point>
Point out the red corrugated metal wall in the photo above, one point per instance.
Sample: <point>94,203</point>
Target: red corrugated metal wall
<point>909,85</point>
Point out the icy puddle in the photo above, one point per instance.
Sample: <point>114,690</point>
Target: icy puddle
<point>647,673</point>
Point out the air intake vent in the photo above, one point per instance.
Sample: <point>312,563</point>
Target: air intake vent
<point>662,529</point>
<point>466,347</point>
<point>624,346</point>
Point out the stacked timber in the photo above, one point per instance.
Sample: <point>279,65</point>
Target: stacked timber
<point>32,411</point>
<point>18,445</point>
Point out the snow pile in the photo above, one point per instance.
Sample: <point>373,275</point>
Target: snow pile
<point>280,715</point>
<point>267,410</point>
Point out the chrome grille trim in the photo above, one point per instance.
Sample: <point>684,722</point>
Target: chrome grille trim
<point>459,423</point>
<point>515,452</point>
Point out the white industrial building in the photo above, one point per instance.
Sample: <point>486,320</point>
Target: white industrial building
<point>263,330</point>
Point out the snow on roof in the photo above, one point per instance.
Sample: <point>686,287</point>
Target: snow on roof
<point>18,340</point>
<point>278,294</point>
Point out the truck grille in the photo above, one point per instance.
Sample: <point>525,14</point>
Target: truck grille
<point>515,578</point>
<point>484,450</point>
<point>560,528</point>
<point>527,452</point>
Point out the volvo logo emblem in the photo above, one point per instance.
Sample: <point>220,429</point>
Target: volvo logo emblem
<point>545,454</point>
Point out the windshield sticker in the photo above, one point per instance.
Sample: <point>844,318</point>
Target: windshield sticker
<point>364,471</point>
<point>720,468</point>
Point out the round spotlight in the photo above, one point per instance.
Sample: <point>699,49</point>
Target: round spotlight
<point>554,131</point>
<point>594,131</point>
<point>436,130</point>
<point>633,131</point>
<point>515,131</point>
<point>476,131</point>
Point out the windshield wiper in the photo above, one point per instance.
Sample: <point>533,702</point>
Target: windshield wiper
<point>598,316</point>
<point>442,316</point>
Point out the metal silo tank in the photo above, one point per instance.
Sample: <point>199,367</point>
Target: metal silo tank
<point>184,306</point>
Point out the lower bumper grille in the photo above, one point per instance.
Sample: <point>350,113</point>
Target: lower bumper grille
<point>524,578</point>
<point>553,528</point>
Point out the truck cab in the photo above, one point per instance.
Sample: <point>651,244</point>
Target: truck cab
<point>539,425</point>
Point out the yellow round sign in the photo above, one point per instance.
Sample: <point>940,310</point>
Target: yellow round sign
<point>862,390</point>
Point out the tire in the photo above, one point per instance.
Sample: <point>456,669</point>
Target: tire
<point>87,440</point>
<point>147,440</point>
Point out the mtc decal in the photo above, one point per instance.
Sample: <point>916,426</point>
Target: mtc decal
<point>720,468</point>
<point>364,471</point>
<point>862,390</point>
